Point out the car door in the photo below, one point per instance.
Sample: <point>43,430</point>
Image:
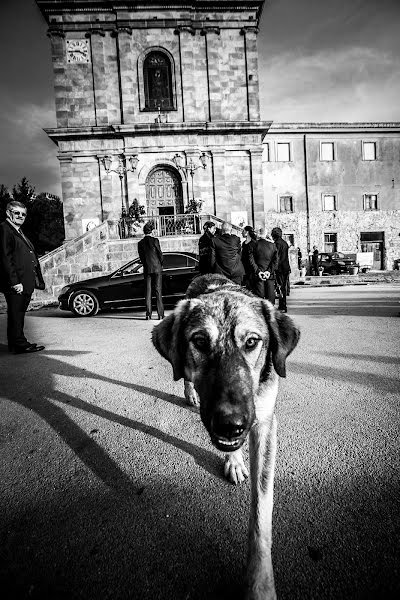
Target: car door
<point>125,287</point>
<point>178,271</point>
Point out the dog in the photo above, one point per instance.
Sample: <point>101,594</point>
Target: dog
<point>231,348</point>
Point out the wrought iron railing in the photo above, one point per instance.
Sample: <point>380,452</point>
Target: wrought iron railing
<point>168,225</point>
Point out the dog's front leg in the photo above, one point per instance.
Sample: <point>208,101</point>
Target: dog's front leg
<point>260,576</point>
<point>190,394</point>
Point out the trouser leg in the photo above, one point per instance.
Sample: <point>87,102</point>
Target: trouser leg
<point>148,296</point>
<point>158,291</point>
<point>270,290</point>
<point>17,305</point>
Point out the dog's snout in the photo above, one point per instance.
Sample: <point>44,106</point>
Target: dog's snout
<point>228,425</point>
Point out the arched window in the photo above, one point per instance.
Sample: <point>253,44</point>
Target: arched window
<point>157,82</point>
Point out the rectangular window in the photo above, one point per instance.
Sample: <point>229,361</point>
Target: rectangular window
<point>369,150</point>
<point>283,152</point>
<point>370,202</point>
<point>327,151</point>
<point>289,238</point>
<point>329,202</point>
<point>330,242</point>
<point>286,204</point>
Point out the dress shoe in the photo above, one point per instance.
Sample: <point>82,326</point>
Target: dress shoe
<point>12,348</point>
<point>160,318</point>
<point>148,317</point>
<point>28,349</point>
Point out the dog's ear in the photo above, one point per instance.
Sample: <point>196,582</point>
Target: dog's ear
<point>169,340</point>
<point>283,334</point>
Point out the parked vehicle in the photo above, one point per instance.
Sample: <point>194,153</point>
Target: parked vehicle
<point>126,286</point>
<point>336,263</point>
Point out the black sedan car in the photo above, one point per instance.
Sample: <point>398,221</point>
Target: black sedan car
<point>336,263</point>
<point>126,286</point>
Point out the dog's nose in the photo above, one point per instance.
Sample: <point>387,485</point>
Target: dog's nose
<point>228,426</point>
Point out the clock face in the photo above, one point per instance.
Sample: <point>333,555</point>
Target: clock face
<point>78,51</point>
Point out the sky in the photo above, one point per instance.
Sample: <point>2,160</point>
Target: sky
<point>319,60</point>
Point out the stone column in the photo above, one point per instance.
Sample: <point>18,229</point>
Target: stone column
<point>219,179</point>
<point>251,62</point>
<point>257,191</point>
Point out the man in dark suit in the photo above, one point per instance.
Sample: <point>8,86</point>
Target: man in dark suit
<point>206,251</point>
<point>19,275</point>
<point>283,268</point>
<point>263,258</point>
<point>152,260</point>
<point>228,249</point>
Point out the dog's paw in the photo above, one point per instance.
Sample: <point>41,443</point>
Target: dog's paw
<point>234,468</point>
<point>191,395</point>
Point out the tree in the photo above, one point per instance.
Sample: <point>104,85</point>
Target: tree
<point>45,223</point>
<point>24,192</point>
<point>5,198</point>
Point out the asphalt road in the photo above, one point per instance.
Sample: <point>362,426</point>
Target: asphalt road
<point>110,488</point>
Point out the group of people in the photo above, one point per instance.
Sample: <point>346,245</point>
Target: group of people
<point>261,262</point>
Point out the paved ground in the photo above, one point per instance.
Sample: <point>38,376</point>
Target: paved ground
<point>110,489</point>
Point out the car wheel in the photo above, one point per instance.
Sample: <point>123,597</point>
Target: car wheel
<point>84,304</point>
<point>334,272</point>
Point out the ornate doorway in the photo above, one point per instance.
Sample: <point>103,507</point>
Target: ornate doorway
<point>163,192</point>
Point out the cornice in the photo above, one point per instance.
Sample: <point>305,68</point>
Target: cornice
<point>144,129</point>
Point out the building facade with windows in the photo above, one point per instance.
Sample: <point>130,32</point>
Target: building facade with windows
<point>153,86</point>
<point>335,186</point>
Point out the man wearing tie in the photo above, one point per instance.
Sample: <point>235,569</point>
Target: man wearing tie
<point>19,275</point>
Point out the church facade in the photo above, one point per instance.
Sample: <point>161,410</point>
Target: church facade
<point>158,105</point>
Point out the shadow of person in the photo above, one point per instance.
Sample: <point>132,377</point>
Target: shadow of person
<point>39,393</point>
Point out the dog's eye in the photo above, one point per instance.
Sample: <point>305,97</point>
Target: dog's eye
<point>251,343</point>
<point>200,342</point>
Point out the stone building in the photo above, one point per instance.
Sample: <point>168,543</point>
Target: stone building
<point>336,186</point>
<point>137,83</point>
<point>150,91</point>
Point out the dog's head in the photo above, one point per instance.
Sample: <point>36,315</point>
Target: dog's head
<point>227,344</point>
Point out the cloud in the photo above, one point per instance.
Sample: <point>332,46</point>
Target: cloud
<point>25,149</point>
<point>350,84</point>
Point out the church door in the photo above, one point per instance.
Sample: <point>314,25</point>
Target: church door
<point>163,192</point>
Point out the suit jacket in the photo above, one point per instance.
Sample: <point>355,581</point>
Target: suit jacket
<point>283,256</point>
<point>206,253</point>
<point>227,250</point>
<point>263,256</point>
<point>18,261</point>
<point>150,255</point>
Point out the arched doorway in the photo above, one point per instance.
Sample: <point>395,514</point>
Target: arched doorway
<point>163,192</point>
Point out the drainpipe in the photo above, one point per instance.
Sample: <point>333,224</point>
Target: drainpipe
<point>307,199</point>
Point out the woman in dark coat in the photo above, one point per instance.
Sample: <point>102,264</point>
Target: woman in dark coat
<point>248,247</point>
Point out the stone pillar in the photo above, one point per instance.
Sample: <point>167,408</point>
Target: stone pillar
<point>193,75</point>
<point>57,39</point>
<point>211,52</point>
<point>251,62</point>
<point>127,73</point>
<point>220,191</point>
<point>257,190</point>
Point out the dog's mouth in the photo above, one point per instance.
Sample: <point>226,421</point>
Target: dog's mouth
<point>226,445</point>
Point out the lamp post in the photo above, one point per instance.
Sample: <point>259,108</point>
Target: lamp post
<point>190,167</point>
<point>121,170</point>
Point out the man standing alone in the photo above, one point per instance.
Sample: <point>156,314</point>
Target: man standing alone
<point>19,275</point>
<point>283,266</point>
<point>227,248</point>
<point>152,260</point>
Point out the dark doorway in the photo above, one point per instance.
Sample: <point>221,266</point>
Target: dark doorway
<point>373,241</point>
<point>166,210</point>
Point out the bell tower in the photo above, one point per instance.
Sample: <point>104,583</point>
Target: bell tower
<point>158,85</point>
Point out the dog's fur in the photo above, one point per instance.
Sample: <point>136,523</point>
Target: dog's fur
<point>230,347</point>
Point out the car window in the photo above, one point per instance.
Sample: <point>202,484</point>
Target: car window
<point>131,269</point>
<point>174,261</point>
